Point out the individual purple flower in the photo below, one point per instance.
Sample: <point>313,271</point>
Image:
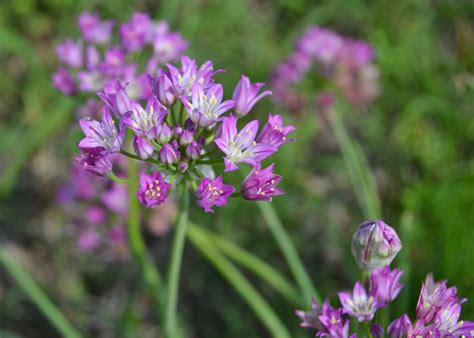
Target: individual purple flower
<point>89,81</point>
<point>183,79</point>
<point>261,184</point>
<point>94,161</point>
<point>116,198</point>
<point>95,215</point>
<point>359,304</point>
<point>117,99</point>
<point>433,297</point>
<point>169,47</point>
<point>93,30</point>
<point>333,323</point>
<point>400,327</point>
<point>92,57</point>
<point>212,193</point>
<point>169,154</point>
<point>70,53</point>
<point>114,63</point>
<point>136,32</point>
<point>274,133</point>
<point>146,122</point>
<point>205,107</point>
<point>375,245</point>
<point>246,95</point>
<point>88,240</point>
<point>102,135</point>
<point>153,189</point>
<point>447,321</point>
<point>142,147</point>
<point>241,146</point>
<point>310,319</point>
<point>386,283</point>
<point>63,81</point>
<point>163,88</point>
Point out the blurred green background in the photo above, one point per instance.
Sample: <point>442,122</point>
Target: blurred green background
<point>418,137</point>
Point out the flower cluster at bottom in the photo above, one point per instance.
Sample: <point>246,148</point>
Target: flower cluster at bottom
<point>375,245</point>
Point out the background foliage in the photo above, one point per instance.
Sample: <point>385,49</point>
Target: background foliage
<point>418,137</point>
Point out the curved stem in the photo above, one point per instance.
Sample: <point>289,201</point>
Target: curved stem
<point>149,271</point>
<point>253,298</point>
<point>170,322</point>
<point>117,179</point>
<point>37,295</point>
<point>359,170</point>
<point>135,157</point>
<point>289,251</point>
<point>251,262</point>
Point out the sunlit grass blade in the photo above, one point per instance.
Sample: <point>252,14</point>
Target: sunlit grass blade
<point>289,251</point>
<point>39,298</point>
<point>253,298</point>
<point>359,170</point>
<point>252,263</point>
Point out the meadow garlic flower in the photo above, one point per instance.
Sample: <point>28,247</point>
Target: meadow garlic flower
<point>174,119</point>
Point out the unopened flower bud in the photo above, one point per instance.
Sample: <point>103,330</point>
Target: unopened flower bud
<point>164,90</point>
<point>143,148</point>
<point>193,150</point>
<point>186,138</point>
<point>165,134</point>
<point>375,245</point>
<point>177,131</point>
<point>169,155</point>
<point>183,166</point>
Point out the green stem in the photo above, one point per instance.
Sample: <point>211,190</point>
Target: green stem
<point>117,179</point>
<point>219,161</point>
<point>289,251</point>
<point>170,323</point>
<point>253,298</point>
<point>251,262</point>
<point>180,114</point>
<point>135,157</point>
<point>359,170</point>
<point>150,273</point>
<point>41,300</point>
<point>191,181</point>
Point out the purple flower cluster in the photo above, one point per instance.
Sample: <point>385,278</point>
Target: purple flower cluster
<point>183,121</point>
<point>172,117</point>
<point>346,63</point>
<point>437,312</point>
<point>100,57</point>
